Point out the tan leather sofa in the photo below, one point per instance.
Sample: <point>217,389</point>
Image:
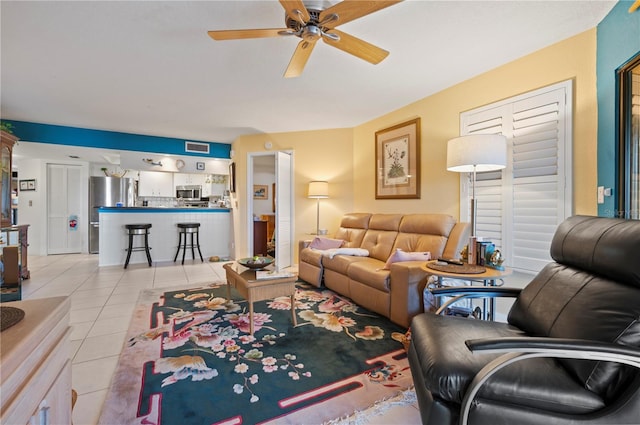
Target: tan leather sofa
<point>396,293</point>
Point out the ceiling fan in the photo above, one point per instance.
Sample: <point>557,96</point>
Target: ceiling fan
<point>315,20</point>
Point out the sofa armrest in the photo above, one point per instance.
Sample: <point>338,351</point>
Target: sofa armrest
<point>458,238</point>
<point>408,280</point>
<point>522,348</point>
<point>302,244</point>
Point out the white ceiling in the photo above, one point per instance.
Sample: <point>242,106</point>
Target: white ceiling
<point>148,67</point>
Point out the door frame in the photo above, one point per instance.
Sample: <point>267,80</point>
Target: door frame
<point>249,194</point>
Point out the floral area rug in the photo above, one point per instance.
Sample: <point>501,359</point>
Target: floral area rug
<point>190,359</point>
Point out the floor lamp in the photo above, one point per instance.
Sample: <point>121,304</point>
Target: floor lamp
<point>318,190</point>
<point>476,153</point>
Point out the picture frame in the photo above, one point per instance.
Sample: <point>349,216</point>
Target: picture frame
<point>232,177</point>
<point>260,191</point>
<point>397,163</point>
<point>27,185</point>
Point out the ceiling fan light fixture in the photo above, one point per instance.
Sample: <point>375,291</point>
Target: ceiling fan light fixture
<point>311,33</point>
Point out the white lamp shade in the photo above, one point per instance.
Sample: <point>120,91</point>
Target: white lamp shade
<point>482,152</point>
<point>318,189</point>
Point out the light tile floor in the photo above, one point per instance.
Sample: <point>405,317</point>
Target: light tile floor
<point>102,301</point>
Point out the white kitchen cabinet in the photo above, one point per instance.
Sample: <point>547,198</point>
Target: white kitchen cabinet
<point>155,183</point>
<point>187,179</point>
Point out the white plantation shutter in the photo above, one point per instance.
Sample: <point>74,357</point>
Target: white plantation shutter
<point>520,207</point>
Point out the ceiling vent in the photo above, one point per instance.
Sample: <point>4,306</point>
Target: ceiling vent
<point>195,147</point>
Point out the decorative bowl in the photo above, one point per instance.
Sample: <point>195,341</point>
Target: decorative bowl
<point>256,263</point>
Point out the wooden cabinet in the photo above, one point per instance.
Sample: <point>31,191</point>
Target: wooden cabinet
<point>156,183</point>
<point>263,234</point>
<point>35,372</point>
<point>259,238</point>
<point>6,151</point>
<point>18,236</point>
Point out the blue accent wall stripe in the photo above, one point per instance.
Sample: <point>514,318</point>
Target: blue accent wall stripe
<point>74,136</point>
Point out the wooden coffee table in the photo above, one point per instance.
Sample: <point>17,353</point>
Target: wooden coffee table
<point>251,289</point>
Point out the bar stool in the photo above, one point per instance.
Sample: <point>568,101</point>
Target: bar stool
<point>138,230</point>
<point>184,230</point>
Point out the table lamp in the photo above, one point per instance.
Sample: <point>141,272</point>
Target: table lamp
<point>476,153</point>
<point>318,190</point>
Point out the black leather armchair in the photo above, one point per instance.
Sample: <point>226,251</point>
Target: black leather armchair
<point>569,354</point>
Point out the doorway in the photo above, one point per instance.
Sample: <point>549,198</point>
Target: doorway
<point>269,199</point>
<point>64,209</point>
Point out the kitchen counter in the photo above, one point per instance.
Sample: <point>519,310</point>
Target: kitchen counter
<point>216,232</point>
<point>161,209</point>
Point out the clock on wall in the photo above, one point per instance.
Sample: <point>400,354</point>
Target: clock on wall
<point>179,164</point>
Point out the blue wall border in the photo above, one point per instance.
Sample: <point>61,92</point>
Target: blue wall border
<point>74,136</point>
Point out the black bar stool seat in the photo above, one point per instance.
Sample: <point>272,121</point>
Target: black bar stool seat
<point>185,229</point>
<point>140,229</point>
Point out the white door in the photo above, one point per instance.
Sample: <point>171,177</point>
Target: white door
<point>65,219</point>
<point>284,210</point>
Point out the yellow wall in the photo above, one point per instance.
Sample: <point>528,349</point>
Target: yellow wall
<point>317,155</point>
<point>574,58</point>
<point>345,157</point>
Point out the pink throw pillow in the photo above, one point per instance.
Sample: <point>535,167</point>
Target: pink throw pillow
<point>325,243</point>
<point>399,256</point>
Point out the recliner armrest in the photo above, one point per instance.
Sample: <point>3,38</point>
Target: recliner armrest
<point>550,345</point>
<point>522,348</point>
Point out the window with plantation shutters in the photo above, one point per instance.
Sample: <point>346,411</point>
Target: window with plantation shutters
<point>520,207</point>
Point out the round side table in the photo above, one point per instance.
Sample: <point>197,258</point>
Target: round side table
<point>488,278</point>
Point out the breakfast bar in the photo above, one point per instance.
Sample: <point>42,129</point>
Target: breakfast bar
<point>216,232</point>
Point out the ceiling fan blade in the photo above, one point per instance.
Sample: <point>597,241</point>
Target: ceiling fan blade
<point>296,10</point>
<point>355,46</point>
<point>299,59</point>
<point>348,10</point>
<point>241,34</point>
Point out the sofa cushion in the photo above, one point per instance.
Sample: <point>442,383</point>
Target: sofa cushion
<point>355,220</point>
<point>415,242</point>
<point>352,237</point>
<point>448,367</point>
<point>379,243</point>
<point>385,221</point>
<point>424,232</point>
<point>340,263</point>
<point>427,224</point>
<point>399,256</point>
<point>371,273</point>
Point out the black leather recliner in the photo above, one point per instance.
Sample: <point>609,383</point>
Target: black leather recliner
<point>569,353</point>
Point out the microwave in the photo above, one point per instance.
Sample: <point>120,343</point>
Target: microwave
<point>189,193</point>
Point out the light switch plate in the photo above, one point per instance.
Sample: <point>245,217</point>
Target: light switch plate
<point>601,194</point>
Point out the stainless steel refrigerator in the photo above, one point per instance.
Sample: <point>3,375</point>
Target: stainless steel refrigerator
<point>107,192</point>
